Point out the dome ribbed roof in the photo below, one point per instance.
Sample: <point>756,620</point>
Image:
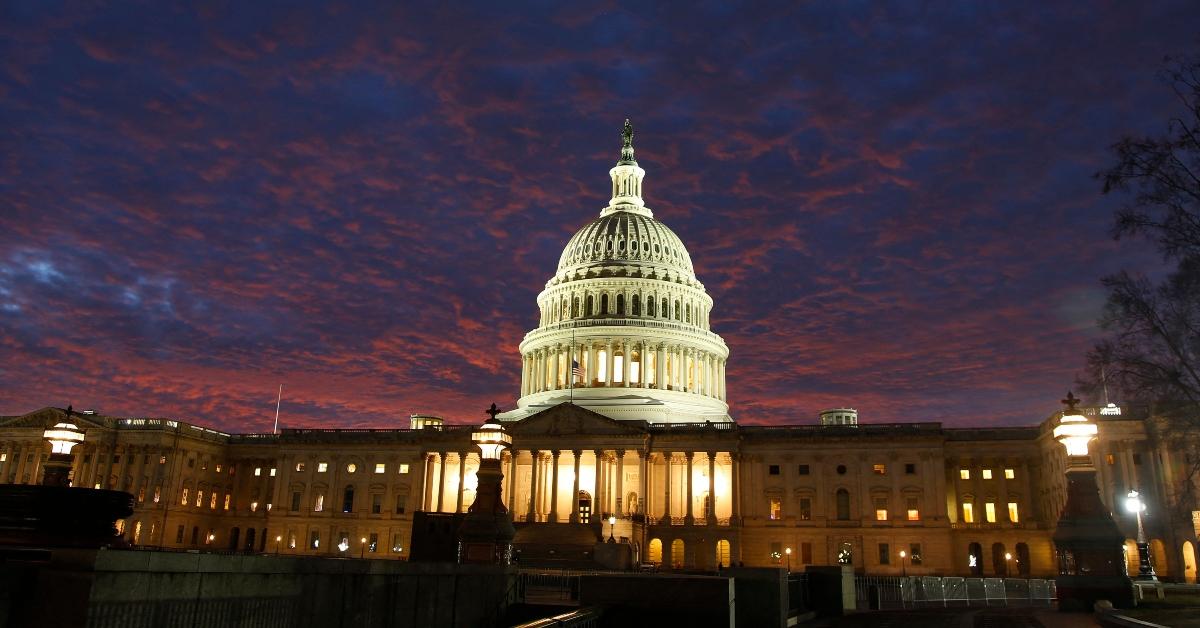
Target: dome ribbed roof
<point>625,237</point>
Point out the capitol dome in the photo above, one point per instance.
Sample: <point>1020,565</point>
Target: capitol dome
<point>623,324</point>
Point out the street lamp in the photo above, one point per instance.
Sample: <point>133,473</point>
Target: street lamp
<point>903,564</point>
<point>277,540</point>
<point>62,437</point>
<point>788,551</point>
<point>486,533</point>
<point>1145,569</point>
<point>1007,559</point>
<point>612,524</point>
<point>362,547</point>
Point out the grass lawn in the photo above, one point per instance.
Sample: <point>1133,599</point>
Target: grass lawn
<point>1177,610</point>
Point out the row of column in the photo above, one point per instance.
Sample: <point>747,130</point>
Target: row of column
<point>607,489</point>
<point>686,311</point>
<point>663,367</point>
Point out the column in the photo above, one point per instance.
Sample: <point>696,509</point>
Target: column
<point>574,518</point>
<point>441,480</point>
<point>599,454</point>
<point>554,487</point>
<point>555,358</point>
<point>620,482</point>
<point>462,475</point>
<point>736,495</point>
<point>660,367</point>
<point>510,498</point>
<point>625,369</point>
<point>608,364</point>
<point>593,364</point>
<point>689,519</point>
<point>712,488</point>
<point>643,493</point>
<point>667,490</point>
<point>533,479</point>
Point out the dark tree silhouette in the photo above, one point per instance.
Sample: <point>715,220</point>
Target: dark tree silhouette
<point>1151,352</point>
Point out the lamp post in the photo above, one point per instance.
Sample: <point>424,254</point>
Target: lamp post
<point>362,547</point>
<point>1145,569</point>
<point>612,524</point>
<point>277,541</point>
<point>487,531</point>
<point>903,565</point>
<point>788,551</point>
<point>1007,561</point>
<point>62,437</point>
<point>1090,546</point>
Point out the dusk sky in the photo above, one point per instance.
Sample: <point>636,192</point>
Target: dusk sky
<point>892,207</point>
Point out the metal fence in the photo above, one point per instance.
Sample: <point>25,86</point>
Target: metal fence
<point>583,618</point>
<point>887,592</point>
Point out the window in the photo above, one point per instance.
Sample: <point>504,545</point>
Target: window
<point>380,467</point>
<point>989,511</point>
<point>163,460</point>
<point>775,509</point>
<point>403,469</point>
<point>253,506</point>
<point>1137,458</point>
<point>806,553</point>
<point>141,494</point>
<point>376,504</point>
<point>964,474</point>
<point>1009,474</point>
<point>987,474</point>
<point>184,501</point>
<point>843,504</point>
<point>348,499</point>
<point>351,468</point>
<point>841,469</point>
<point>296,501</point>
<point>218,468</point>
<point>914,512</point>
<point>157,493</point>
<point>322,467</point>
<point>291,540</point>
<point>802,469</point>
<point>880,469</point>
<point>881,509</point>
<point>314,540</point>
<point>257,471</point>
<point>885,554</point>
<point>272,472</point>
<point>179,534</point>
<point>805,509</point>
<point>968,512</point>
<point>910,468</point>
<point>373,542</point>
<point>227,500</point>
<point>199,498</point>
<point>299,466</point>
<point>1013,515</point>
<point>773,469</point>
<point>914,553</point>
<point>191,463</point>
<point>1110,459</point>
<point>400,501</point>
<point>319,503</point>
<point>212,503</point>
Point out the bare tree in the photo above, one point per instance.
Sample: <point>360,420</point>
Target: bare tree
<point>1151,352</point>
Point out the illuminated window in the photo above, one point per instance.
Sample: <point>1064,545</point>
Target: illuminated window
<point>987,474</point>
<point>253,506</point>
<point>914,513</point>
<point>914,554</point>
<point>299,466</point>
<point>319,505</point>
<point>257,471</point>
<point>1110,459</point>
<point>968,512</point>
<point>1013,515</point>
<point>314,540</point>
<point>227,498</point>
<point>157,493</point>
<point>218,468</point>
<point>380,467</point>
<point>322,467</point>
<point>268,507</point>
<point>141,494</point>
<point>1009,474</point>
<point>4,457</point>
<point>351,468</point>
<point>880,469</point>
<point>881,509</point>
<point>291,540</point>
<point>775,508</point>
<point>182,502</point>
<point>989,511</point>
<point>964,474</point>
<point>403,469</point>
<point>373,542</point>
<point>272,471</point>
<point>199,498</point>
<point>212,502</point>
<point>163,460</point>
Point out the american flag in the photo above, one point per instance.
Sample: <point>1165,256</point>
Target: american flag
<point>576,370</point>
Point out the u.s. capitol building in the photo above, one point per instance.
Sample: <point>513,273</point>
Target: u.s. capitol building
<point>622,412</point>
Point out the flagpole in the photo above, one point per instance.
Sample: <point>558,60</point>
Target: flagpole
<point>278,398</point>
<point>571,388</point>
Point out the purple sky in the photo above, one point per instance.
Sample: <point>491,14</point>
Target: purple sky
<point>892,208</point>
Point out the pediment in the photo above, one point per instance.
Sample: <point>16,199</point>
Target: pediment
<point>49,416</point>
<point>569,419</point>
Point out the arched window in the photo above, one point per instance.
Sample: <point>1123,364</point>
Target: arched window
<point>585,507</point>
<point>603,304</point>
<point>348,499</point>
<point>843,504</point>
<point>654,553</point>
<point>636,301</point>
<point>575,307</point>
<point>722,553</point>
<point>687,311</point>
<point>234,535</point>
<point>999,562</point>
<point>649,306</point>
<point>589,306</point>
<point>249,539</point>
<point>677,559</point>
<point>1023,560</point>
<point>975,559</point>
<point>620,305</point>
<point>665,311</point>
<point>677,312</point>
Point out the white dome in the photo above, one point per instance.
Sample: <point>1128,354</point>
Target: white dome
<point>624,237</point>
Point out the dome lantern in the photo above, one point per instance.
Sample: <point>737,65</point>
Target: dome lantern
<point>627,178</point>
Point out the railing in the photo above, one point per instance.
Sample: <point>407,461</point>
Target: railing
<point>885,592</point>
<point>583,618</point>
<point>649,322</point>
<point>678,427</point>
<point>885,429</point>
<point>678,521</point>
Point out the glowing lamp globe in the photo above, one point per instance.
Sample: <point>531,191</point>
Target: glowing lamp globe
<point>1074,430</point>
<point>491,439</point>
<point>1134,503</point>
<point>63,436</point>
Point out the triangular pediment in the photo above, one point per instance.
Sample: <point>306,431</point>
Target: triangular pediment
<point>49,416</point>
<point>568,419</point>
